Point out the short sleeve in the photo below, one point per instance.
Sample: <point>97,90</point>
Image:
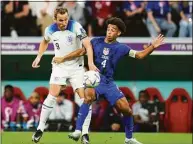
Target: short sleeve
<point>149,6</point>
<point>80,32</point>
<point>47,35</point>
<point>124,50</point>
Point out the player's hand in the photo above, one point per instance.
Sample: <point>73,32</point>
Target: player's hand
<point>159,40</point>
<point>35,63</point>
<point>93,67</point>
<point>58,60</point>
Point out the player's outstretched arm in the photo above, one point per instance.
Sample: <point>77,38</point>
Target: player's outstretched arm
<point>154,44</point>
<point>42,48</point>
<point>87,44</point>
<point>77,53</point>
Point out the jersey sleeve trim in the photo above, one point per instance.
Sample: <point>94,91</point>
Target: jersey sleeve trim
<point>80,32</point>
<point>81,37</point>
<point>47,34</point>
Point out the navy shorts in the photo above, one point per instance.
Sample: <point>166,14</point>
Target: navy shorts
<point>110,91</point>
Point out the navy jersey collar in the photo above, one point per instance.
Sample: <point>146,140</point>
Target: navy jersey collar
<point>109,43</point>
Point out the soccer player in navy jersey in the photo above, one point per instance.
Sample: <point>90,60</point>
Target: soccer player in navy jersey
<point>107,52</point>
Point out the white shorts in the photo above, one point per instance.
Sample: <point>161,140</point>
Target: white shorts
<point>60,76</point>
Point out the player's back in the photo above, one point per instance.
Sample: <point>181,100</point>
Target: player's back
<point>106,56</point>
<point>65,41</point>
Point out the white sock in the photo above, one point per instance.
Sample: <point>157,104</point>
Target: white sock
<point>127,139</point>
<point>78,131</point>
<point>86,124</point>
<point>47,107</point>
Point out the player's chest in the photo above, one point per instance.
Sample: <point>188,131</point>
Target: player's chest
<point>64,38</point>
<point>105,52</point>
<point>9,109</point>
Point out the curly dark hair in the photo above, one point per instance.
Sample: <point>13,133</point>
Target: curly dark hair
<point>118,22</point>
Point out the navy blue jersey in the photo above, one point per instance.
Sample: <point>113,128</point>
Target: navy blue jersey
<point>107,55</point>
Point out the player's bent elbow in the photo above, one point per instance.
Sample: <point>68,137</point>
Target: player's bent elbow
<point>83,52</point>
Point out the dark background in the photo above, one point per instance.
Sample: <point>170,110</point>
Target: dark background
<point>154,67</point>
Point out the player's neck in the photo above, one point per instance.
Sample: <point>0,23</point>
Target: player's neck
<point>60,28</point>
<point>110,42</point>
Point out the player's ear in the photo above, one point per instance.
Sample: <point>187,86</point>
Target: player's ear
<point>119,33</point>
<point>54,19</point>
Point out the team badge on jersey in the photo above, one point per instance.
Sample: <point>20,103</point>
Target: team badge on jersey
<point>106,51</point>
<point>70,39</point>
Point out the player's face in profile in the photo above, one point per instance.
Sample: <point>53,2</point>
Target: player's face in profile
<point>62,21</point>
<point>112,32</point>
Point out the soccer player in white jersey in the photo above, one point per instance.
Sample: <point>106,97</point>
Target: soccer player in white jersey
<point>67,37</point>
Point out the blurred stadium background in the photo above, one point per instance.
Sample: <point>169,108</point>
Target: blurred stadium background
<point>161,83</point>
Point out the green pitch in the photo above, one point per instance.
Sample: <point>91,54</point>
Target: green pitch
<point>96,138</point>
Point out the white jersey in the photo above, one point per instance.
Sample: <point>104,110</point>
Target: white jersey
<point>66,41</point>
